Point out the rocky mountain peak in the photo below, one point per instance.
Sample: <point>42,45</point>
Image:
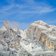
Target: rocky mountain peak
<point>38,39</point>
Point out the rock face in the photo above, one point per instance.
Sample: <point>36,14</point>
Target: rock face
<point>38,40</point>
<point>10,42</point>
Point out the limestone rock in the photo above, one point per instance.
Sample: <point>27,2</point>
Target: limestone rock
<point>39,39</point>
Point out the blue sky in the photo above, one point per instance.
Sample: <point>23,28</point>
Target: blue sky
<point>25,12</point>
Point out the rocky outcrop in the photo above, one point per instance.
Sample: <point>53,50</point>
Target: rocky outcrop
<point>37,40</point>
<point>10,42</point>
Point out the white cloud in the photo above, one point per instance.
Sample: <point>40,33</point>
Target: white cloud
<point>26,10</point>
<point>51,21</point>
<point>47,10</point>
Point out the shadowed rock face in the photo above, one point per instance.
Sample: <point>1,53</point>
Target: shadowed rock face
<point>10,42</point>
<point>9,36</point>
<point>38,38</point>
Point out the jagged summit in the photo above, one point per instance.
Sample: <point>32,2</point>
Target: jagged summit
<point>39,38</point>
<point>41,35</point>
<point>40,22</point>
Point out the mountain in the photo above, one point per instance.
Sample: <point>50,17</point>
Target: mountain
<point>38,39</point>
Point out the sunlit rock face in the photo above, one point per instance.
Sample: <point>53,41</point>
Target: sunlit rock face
<point>39,39</point>
<point>36,28</point>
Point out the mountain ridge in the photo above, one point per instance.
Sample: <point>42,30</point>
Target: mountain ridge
<point>38,37</point>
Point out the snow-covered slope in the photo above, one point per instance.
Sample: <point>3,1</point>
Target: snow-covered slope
<point>38,39</point>
<point>38,36</point>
